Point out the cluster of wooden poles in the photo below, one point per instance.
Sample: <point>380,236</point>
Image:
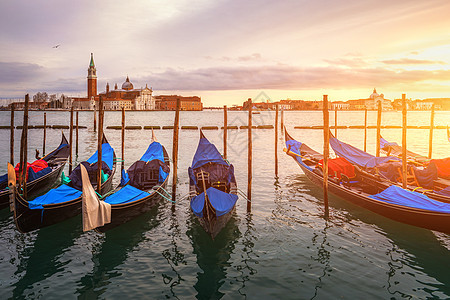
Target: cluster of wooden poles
<point>326,128</point>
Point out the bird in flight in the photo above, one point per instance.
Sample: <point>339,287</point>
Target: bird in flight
<point>56,46</point>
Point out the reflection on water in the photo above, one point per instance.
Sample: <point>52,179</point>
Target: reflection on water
<point>323,256</point>
<point>42,258</point>
<point>213,256</point>
<point>111,251</point>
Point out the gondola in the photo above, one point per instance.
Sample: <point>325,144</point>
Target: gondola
<point>388,171</point>
<point>142,186</point>
<point>211,173</point>
<point>393,149</point>
<point>63,202</point>
<point>42,180</point>
<point>393,202</point>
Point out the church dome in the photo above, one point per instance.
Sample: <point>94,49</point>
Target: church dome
<point>374,94</point>
<point>127,85</point>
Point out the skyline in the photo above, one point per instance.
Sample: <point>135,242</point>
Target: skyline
<point>228,51</point>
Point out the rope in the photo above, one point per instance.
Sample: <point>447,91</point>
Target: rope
<point>184,197</point>
<point>242,194</point>
<point>164,196</point>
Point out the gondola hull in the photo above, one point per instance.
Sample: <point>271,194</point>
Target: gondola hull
<point>412,216</point>
<point>27,219</point>
<point>216,224</point>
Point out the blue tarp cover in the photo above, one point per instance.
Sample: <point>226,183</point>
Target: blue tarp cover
<point>295,148</point>
<point>384,143</point>
<point>445,192</point>
<point>61,194</point>
<point>357,156</point>
<point>33,176</point>
<point>154,151</point>
<point>399,196</point>
<point>126,194</point>
<point>222,202</point>
<point>107,156</point>
<point>206,152</point>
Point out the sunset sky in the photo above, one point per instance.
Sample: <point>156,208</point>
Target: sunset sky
<point>227,50</point>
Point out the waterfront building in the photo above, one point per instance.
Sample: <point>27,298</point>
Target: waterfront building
<point>169,102</point>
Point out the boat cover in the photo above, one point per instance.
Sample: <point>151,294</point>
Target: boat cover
<point>295,148</point>
<point>385,144</point>
<point>222,202</point>
<point>63,193</point>
<point>107,156</point>
<point>206,152</point>
<point>126,194</point>
<point>396,195</point>
<point>357,156</point>
<point>154,151</point>
<point>443,166</point>
<point>445,192</point>
<point>338,167</point>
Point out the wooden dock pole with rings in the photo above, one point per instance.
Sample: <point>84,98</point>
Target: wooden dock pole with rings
<point>326,150</point>
<point>249,170</point>
<point>176,129</point>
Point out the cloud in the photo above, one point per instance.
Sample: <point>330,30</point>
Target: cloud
<point>411,61</point>
<point>16,72</point>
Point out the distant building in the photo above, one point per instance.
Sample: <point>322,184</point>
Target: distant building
<point>340,105</point>
<point>127,97</point>
<point>370,103</point>
<point>169,102</point>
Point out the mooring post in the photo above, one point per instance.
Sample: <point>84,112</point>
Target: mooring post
<point>25,146</point>
<point>76,135</point>
<point>335,122</point>
<point>404,126</point>
<point>225,131</point>
<point>276,140</point>
<point>95,117</point>
<point>378,128</point>
<point>71,140</point>
<point>430,143</point>
<point>175,149</point>
<point>45,134</point>
<point>282,119</point>
<point>11,139</point>
<point>326,150</point>
<point>123,138</point>
<point>249,171</point>
<point>99,145</point>
<point>365,129</point>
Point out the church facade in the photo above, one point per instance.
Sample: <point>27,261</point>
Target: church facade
<point>126,97</point>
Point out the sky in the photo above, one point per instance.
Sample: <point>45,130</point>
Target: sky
<point>228,50</point>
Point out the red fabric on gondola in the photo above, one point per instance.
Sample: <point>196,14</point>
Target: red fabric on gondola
<point>443,166</point>
<point>338,166</point>
<point>37,166</point>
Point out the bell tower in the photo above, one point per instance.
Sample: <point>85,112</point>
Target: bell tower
<point>92,79</point>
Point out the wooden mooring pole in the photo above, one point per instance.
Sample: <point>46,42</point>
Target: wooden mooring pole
<point>326,150</point>
<point>335,122</point>
<point>99,145</point>
<point>225,131</point>
<point>365,129</point>
<point>11,139</point>
<point>404,127</point>
<point>282,119</point>
<point>249,171</point>
<point>378,128</point>
<point>430,142</point>
<point>24,146</point>
<point>276,140</point>
<point>123,138</point>
<point>45,134</point>
<point>175,149</point>
<point>76,135</point>
<point>71,140</point>
<point>95,118</point>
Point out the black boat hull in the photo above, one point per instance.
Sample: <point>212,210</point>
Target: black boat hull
<point>416,217</point>
<point>27,219</point>
<point>214,226</point>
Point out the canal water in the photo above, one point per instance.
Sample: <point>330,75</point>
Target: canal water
<point>283,249</point>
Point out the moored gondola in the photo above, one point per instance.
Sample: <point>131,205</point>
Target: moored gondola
<point>63,202</point>
<point>142,186</point>
<point>41,174</point>
<point>212,187</point>
<point>392,202</point>
<point>387,171</point>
